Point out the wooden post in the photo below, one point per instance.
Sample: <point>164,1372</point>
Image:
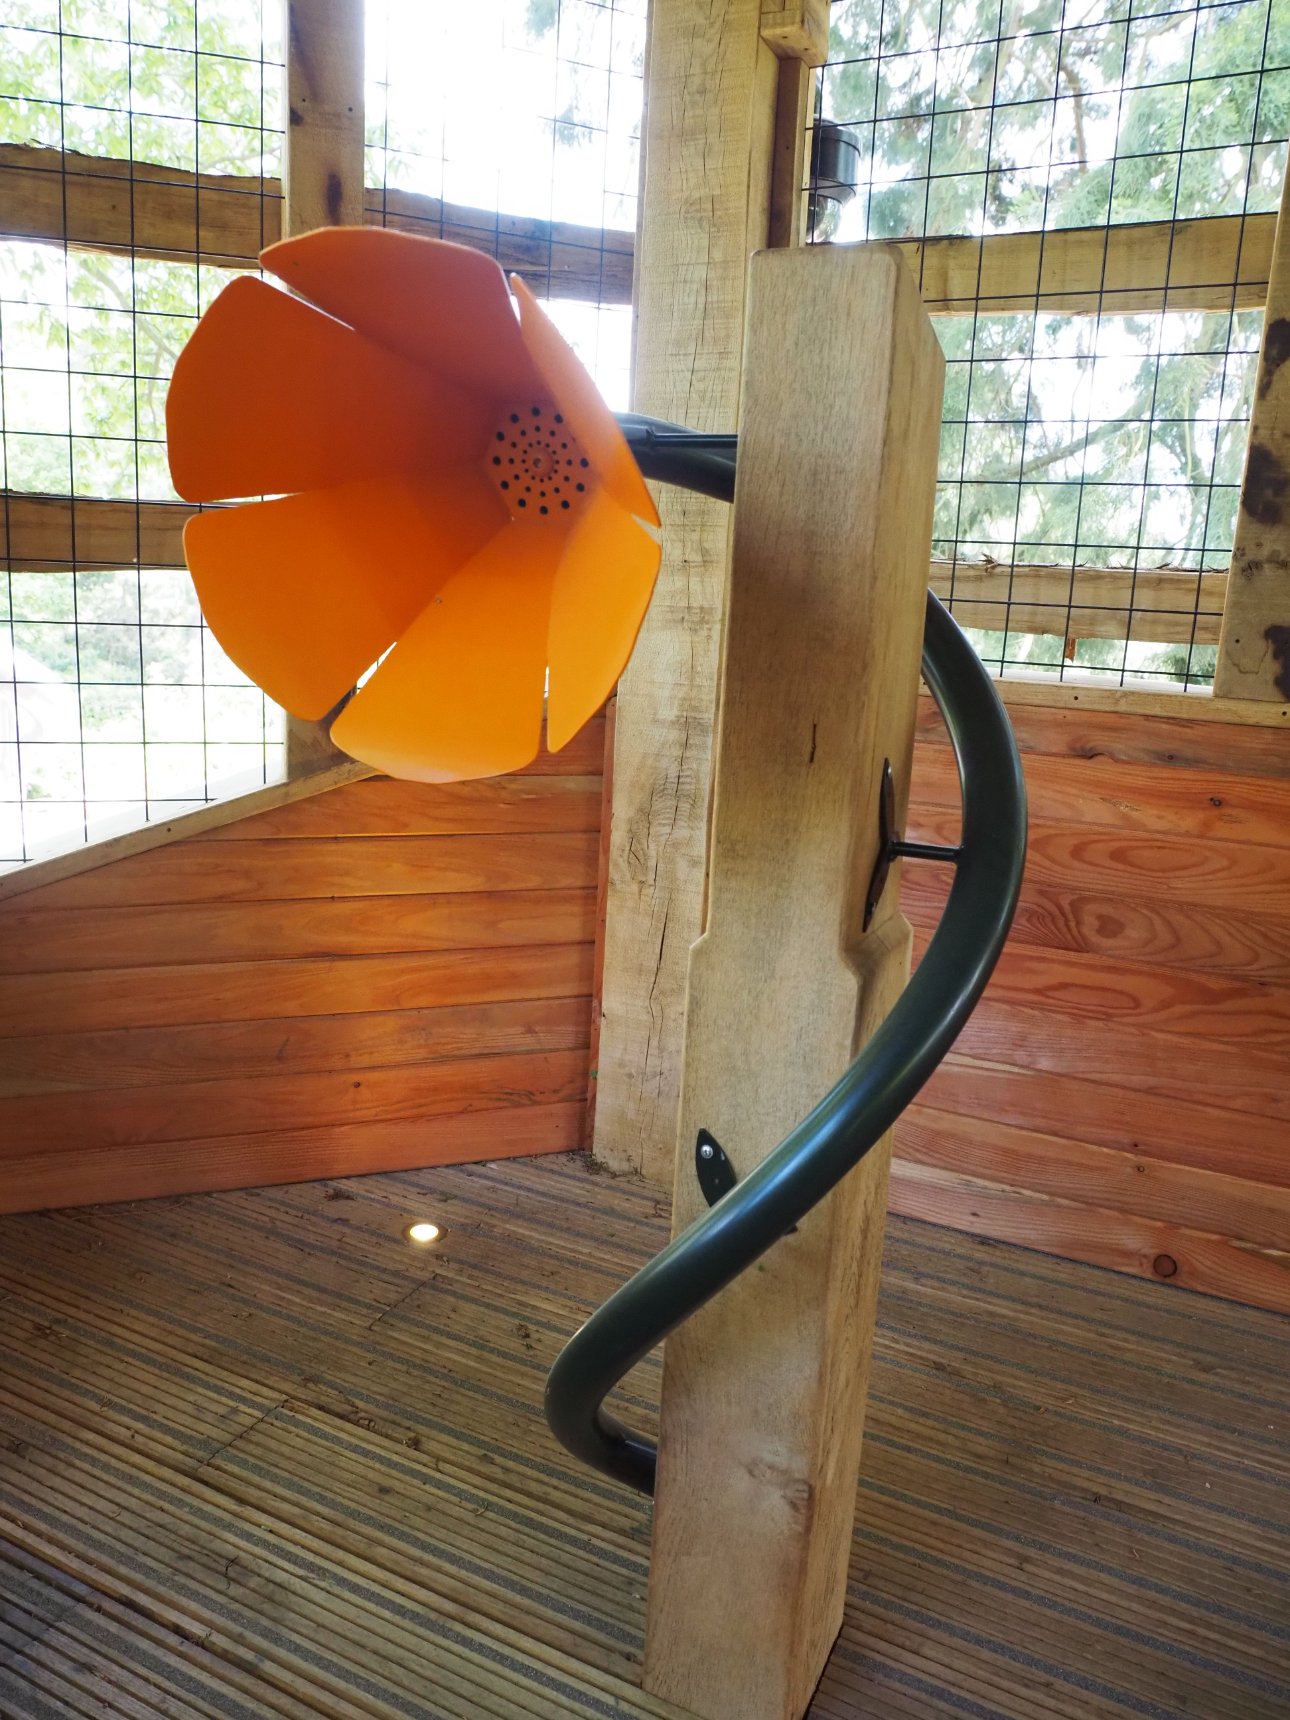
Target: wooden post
<point>712,89</point>
<point>1254,645</point>
<point>798,36</point>
<point>763,1392</point>
<point>322,187</point>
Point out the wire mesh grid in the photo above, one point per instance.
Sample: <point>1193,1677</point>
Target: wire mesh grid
<point>534,157</point>
<point>1094,430</point>
<point>138,147</point>
<point>140,163</point>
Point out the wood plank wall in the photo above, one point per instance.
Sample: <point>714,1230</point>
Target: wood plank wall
<point>383,976</point>
<point>1121,1095</point>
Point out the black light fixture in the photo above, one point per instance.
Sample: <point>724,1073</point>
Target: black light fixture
<point>835,172</point>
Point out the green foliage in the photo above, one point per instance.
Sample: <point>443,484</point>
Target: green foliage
<point>89,342</point>
<point>1112,440</point>
<point>1012,120</point>
<point>146,80</point>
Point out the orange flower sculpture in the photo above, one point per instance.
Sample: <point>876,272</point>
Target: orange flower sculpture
<point>447,482</point>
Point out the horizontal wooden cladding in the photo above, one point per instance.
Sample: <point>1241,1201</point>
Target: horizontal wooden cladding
<point>514,805</point>
<point>1120,1093</point>
<point>133,207</point>
<point>194,1110</point>
<point>1202,805</point>
<point>1179,1070</point>
<point>281,869</point>
<point>1096,1105</point>
<point>583,756</point>
<point>1189,1039</point>
<point>77,1175</point>
<point>41,939</point>
<point>329,984</point>
<point>1166,934</point>
<point>149,996</point>
<point>1210,874</point>
<point>1211,1007</point>
<point>1162,605</point>
<point>1185,739</point>
<point>1075,1170</point>
<point>1186,1257</point>
<point>307,1044</point>
<point>1216,263</point>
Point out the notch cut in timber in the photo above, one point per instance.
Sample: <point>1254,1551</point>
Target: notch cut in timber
<point>763,1391</point>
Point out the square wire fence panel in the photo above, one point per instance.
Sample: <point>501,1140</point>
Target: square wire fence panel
<point>116,705</point>
<point>192,84</point>
<point>513,126</point>
<point>1090,462</point>
<point>142,142</point>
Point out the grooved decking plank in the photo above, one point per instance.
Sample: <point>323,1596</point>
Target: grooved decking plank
<point>260,1457</point>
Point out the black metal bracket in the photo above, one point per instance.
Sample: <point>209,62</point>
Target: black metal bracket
<point>716,1174</point>
<point>892,846</point>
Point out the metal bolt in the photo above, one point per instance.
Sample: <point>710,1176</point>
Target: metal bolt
<point>705,1151</point>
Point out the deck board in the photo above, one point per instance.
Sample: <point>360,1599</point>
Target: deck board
<point>261,1457</point>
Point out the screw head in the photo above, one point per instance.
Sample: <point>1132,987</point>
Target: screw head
<point>705,1151</point>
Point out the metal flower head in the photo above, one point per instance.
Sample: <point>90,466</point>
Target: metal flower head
<point>448,483</point>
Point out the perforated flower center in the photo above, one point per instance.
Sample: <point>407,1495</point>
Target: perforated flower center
<point>538,465</point>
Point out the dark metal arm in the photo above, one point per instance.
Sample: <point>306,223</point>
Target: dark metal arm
<point>671,454</point>
<point>926,1020</point>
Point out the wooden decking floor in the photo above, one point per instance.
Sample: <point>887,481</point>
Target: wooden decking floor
<point>261,1457</point>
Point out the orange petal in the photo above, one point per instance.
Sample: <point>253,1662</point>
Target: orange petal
<point>270,395</point>
<point>305,593</point>
<point>599,600</point>
<point>461,694</point>
<point>579,399</point>
<point>442,306</point>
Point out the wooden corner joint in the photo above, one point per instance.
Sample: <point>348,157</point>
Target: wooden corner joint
<point>797,32</point>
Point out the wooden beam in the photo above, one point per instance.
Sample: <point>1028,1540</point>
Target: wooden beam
<point>708,135</point>
<point>125,207</point>
<point>1077,692</point>
<point>558,259</point>
<point>133,207</point>
<point>790,168</point>
<point>1214,263</point>
<point>57,534</point>
<point>1168,605</point>
<point>1254,651</point>
<point>1217,263</point>
<point>1162,605</point>
<point>764,1389</point>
